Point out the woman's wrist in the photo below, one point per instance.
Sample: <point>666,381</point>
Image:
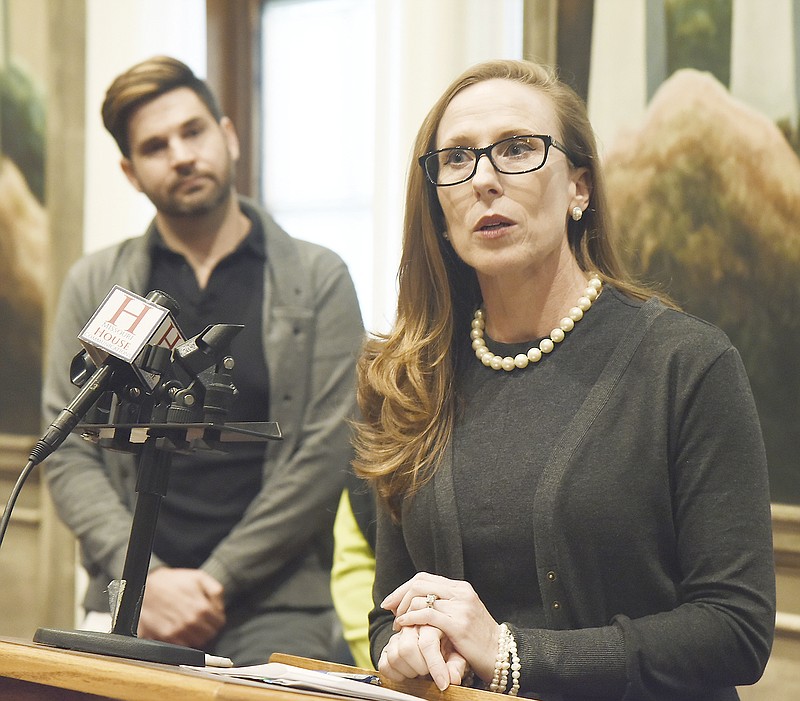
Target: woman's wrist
<point>506,665</point>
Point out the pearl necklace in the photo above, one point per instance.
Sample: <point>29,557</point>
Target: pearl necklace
<point>546,345</point>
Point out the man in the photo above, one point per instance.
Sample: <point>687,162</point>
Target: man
<point>241,558</point>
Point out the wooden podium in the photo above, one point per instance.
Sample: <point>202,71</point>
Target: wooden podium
<point>32,672</point>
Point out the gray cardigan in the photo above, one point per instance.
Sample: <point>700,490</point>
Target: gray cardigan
<point>278,555</point>
<point>651,524</point>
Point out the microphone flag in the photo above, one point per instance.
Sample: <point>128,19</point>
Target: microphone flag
<point>125,326</point>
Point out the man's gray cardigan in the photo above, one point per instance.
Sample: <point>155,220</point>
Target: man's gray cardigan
<point>278,555</point>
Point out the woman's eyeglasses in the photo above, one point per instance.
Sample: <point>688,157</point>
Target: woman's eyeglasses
<point>512,156</point>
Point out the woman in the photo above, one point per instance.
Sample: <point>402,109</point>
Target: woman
<point>572,478</point>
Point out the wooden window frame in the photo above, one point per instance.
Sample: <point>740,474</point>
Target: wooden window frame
<point>234,74</point>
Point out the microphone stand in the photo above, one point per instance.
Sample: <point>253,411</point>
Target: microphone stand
<point>178,433</point>
<point>153,475</point>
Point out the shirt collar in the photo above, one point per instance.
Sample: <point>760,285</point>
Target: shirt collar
<point>254,242</point>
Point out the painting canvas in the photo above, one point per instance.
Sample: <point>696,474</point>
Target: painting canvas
<point>23,236</point>
<point>705,196</point>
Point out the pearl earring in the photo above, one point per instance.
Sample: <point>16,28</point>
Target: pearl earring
<point>577,213</point>
<point>445,236</point>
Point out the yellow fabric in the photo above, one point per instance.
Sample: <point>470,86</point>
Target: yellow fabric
<point>352,577</point>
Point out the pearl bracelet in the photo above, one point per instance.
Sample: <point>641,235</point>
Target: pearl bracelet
<point>507,659</point>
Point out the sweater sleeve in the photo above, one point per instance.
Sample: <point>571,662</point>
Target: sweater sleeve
<point>720,633</point>
<point>393,567</point>
<point>297,501</point>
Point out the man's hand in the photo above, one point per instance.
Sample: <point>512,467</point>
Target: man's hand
<point>181,606</point>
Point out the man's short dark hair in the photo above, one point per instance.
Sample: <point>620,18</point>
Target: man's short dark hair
<point>144,82</point>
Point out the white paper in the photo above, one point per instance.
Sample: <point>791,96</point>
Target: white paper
<point>297,677</point>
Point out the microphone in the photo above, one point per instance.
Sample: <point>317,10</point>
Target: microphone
<point>119,338</point>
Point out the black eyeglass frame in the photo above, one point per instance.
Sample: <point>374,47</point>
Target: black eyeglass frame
<point>487,151</point>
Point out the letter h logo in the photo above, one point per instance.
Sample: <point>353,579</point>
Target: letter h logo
<point>125,309</point>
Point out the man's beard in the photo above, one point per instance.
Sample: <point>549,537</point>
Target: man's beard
<point>176,206</point>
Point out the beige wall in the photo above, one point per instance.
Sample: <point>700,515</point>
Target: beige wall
<point>27,40</point>
<point>118,34</point>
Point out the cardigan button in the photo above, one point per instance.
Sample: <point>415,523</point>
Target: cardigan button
<point>551,576</point>
<point>556,605</point>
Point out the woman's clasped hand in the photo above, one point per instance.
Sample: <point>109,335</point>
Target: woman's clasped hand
<point>446,636</point>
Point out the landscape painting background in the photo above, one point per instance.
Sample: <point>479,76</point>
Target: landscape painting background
<point>23,235</point>
<point>704,191</point>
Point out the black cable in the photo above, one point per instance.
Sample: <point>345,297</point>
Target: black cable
<point>13,498</point>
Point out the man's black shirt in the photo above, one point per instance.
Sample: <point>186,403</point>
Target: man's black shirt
<point>208,491</point>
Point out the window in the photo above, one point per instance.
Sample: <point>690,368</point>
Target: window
<point>319,116</point>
